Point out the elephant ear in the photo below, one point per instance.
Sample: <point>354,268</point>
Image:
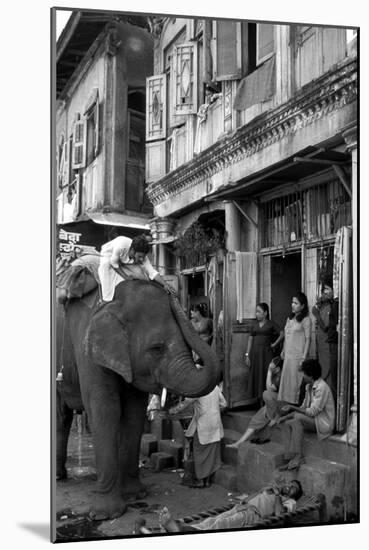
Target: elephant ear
<point>107,341</point>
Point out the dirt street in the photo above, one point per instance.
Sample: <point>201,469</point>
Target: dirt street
<point>164,488</point>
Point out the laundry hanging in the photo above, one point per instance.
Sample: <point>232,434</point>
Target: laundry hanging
<point>246,278</point>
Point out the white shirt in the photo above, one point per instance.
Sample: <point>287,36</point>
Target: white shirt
<point>113,253</point>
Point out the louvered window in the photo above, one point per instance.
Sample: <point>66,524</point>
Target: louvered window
<point>156,107</point>
<point>79,144</point>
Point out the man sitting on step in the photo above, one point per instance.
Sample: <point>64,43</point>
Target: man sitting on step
<point>270,501</point>
<point>271,409</point>
<point>316,414</point>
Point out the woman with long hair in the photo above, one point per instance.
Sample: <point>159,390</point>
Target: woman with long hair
<point>297,338</point>
<point>262,346</point>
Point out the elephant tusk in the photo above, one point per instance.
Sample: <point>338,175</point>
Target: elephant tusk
<point>163,397</point>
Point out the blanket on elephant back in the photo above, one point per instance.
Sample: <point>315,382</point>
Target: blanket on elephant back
<point>81,276</point>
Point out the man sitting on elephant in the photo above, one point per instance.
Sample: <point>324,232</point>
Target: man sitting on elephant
<point>117,257</point>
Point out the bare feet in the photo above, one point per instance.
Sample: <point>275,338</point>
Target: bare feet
<point>167,522</point>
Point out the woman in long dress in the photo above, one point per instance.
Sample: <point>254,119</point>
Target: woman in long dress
<point>262,346</point>
<point>297,338</point>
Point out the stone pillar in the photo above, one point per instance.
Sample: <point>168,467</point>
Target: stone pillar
<point>350,136</point>
<point>232,225</point>
<point>164,228</point>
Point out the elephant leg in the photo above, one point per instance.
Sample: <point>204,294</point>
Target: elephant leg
<point>104,413</point>
<point>132,426</point>
<point>64,417</point>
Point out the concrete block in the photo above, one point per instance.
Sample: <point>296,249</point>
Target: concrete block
<point>174,449</point>
<point>226,477</point>
<point>161,460</point>
<point>161,428</point>
<point>149,444</point>
<point>256,464</point>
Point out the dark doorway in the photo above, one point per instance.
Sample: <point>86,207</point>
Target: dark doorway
<point>285,281</point>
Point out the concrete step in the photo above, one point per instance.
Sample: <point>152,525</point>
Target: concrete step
<point>320,476</point>
<point>229,456</point>
<point>256,464</point>
<point>237,420</point>
<point>226,477</point>
<point>333,448</point>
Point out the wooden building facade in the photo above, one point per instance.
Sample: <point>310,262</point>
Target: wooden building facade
<point>102,61</point>
<point>251,166</point>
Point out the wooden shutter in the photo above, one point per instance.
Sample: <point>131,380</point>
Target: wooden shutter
<point>227,50</point>
<point>308,60</point>
<point>264,42</point>
<point>185,78</point>
<point>65,166</point>
<point>334,46</point>
<point>155,161</point>
<point>156,107</point>
<point>79,144</point>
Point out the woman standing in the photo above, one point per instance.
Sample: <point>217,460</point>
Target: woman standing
<point>297,338</point>
<point>206,429</point>
<point>261,347</point>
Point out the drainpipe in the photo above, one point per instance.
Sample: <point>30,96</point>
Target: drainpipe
<point>350,137</point>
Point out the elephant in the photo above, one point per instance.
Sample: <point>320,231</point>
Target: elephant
<point>114,355</point>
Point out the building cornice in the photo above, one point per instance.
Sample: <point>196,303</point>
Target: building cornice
<point>329,93</point>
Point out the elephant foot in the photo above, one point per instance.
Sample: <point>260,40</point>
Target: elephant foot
<point>134,489</point>
<point>107,507</point>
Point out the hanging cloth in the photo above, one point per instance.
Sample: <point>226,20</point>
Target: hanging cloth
<point>246,276</point>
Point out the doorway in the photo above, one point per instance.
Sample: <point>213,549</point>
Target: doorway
<point>285,281</point>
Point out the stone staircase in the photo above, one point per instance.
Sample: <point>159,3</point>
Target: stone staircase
<point>329,469</point>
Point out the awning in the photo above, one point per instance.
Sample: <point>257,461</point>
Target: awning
<point>306,163</point>
<point>256,87</point>
<point>119,220</point>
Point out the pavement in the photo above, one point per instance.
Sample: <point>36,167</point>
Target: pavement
<point>164,489</point>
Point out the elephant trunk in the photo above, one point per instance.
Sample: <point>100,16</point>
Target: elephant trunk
<point>194,381</point>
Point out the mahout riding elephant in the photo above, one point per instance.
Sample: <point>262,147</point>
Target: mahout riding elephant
<point>113,356</point>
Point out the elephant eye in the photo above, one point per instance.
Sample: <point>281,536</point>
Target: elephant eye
<point>157,348</point>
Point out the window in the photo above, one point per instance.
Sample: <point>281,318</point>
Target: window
<point>92,127</point>
<point>227,55</point>
<point>185,78</point>
<point>79,143</point>
<point>156,93</point>
<point>264,42</point>
<point>61,161</point>
<point>316,212</point>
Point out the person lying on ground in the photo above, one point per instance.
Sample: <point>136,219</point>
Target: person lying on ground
<point>316,414</point>
<point>271,408</point>
<point>270,501</point>
<point>117,254</point>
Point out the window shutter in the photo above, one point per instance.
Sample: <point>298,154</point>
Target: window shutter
<point>227,50</point>
<point>65,165</point>
<point>185,78</point>
<point>264,42</point>
<point>79,144</point>
<point>156,106</point>
<point>97,126</point>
